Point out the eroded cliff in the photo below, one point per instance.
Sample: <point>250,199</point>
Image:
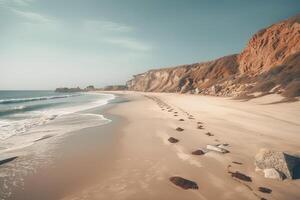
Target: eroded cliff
<point>270,63</point>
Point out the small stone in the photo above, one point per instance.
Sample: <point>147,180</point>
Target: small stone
<point>173,140</point>
<point>181,119</point>
<point>183,183</point>
<point>216,148</point>
<point>198,152</point>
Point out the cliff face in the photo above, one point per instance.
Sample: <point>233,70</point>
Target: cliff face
<point>269,63</point>
<point>185,78</point>
<point>270,47</point>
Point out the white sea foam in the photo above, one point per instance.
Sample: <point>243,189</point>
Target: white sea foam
<point>36,124</point>
<point>20,100</point>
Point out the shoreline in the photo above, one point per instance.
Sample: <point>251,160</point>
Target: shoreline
<point>43,165</point>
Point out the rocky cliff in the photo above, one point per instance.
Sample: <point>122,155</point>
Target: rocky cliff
<point>270,63</point>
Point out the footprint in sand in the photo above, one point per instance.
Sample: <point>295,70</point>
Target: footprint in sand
<point>200,127</point>
<point>209,134</point>
<point>173,140</point>
<point>179,129</point>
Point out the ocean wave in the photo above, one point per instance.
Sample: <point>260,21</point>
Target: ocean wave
<point>36,117</point>
<point>23,108</point>
<point>22,100</point>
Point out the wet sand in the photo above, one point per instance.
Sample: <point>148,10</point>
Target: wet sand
<point>60,165</point>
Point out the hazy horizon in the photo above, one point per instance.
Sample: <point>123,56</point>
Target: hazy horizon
<point>49,44</point>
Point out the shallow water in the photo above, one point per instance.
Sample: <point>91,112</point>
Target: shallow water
<point>27,116</point>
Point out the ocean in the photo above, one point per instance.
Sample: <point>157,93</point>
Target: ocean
<point>29,116</point>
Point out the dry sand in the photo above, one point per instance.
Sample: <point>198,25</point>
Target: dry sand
<point>145,159</point>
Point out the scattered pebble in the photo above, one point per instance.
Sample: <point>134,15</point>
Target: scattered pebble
<point>198,152</point>
<point>183,183</point>
<point>216,148</point>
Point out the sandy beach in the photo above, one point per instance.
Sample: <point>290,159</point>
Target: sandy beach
<point>145,159</point>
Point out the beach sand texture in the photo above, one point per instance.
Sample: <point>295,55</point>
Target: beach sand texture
<point>146,159</point>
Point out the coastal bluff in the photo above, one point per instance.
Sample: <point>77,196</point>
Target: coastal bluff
<point>270,63</point>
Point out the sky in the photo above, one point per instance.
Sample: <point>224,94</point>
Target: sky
<point>46,44</point>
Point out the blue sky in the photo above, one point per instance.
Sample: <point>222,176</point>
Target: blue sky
<point>51,43</point>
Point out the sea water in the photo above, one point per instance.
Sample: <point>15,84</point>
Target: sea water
<point>28,116</point>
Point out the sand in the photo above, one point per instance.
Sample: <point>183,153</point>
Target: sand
<point>145,159</point>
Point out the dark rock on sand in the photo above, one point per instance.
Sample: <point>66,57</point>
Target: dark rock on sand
<point>198,152</point>
<point>183,183</point>
<point>264,190</point>
<point>173,140</point>
<point>181,119</point>
<point>240,176</point>
<point>8,160</point>
<point>179,129</point>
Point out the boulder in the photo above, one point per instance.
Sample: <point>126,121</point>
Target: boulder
<point>277,164</point>
<point>183,183</point>
<point>273,174</point>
